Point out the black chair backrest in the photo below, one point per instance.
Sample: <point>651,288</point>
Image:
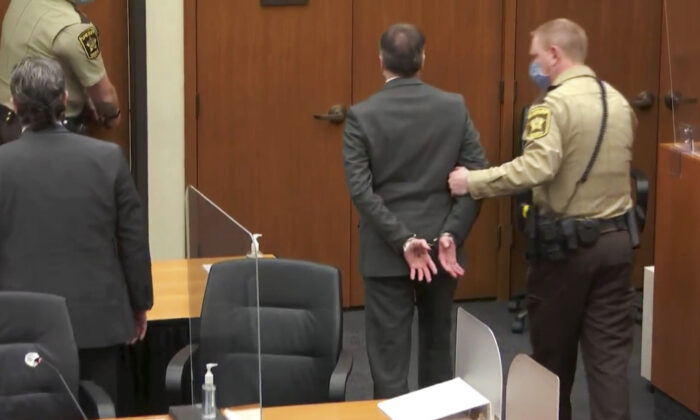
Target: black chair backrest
<point>300,330</point>
<point>35,322</point>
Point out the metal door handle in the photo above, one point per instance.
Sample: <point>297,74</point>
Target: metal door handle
<point>644,100</point>
<point>336,114</point>
<point>675,98</point>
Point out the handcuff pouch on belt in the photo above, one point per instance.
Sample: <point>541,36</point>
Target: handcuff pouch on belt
<point>551,238</point>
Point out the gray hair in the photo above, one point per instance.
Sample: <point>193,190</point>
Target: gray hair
<point>38,90</point>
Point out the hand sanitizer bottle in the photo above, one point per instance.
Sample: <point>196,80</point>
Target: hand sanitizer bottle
<point>208,394</point>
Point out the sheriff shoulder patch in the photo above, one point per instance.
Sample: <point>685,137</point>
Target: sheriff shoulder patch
<point>539,119</point>
<point>90,42</point>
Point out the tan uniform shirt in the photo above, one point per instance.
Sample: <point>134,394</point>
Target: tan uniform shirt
<point>54,29</point>
<point>560,137</point>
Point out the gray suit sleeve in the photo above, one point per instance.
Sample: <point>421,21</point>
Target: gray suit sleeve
<point>465,209</point>
<point>359,178</point>
<point>132,239</point>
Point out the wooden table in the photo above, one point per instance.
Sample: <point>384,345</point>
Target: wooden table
<point>178,287</point>
<point>352,410</point>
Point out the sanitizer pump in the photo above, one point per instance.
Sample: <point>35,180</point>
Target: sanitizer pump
<point>208,394</point>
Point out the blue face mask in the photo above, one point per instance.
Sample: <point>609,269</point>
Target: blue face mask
<point>542,81</point>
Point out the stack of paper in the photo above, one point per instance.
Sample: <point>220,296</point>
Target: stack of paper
<point>435,402</point>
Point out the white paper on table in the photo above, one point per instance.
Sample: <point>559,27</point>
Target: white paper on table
<point>206,267</point>
<point>244,414</point>
<point>434,402</point>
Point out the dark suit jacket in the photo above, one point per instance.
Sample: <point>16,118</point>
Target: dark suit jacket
<point>71,224</point>
<point>399,147</point>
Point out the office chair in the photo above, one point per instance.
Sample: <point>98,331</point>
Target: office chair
<point>36,322</point>
<point>301,331</point>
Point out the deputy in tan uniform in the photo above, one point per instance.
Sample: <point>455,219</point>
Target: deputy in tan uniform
<point>56,29</point>
<point>581,258</point>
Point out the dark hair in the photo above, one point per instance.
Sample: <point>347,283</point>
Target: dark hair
<point>401,47</point>
<point>38,90</point>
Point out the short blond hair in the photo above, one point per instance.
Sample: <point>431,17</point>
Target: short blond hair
<point>565,34</point>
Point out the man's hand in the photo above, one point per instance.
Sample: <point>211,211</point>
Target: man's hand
<point>417,255</point>
<point>447,254</point>
<point>458,181</point>
<point>141,324</point>
<point>92,111</point>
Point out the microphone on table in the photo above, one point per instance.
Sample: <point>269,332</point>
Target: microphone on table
<point>32,359</point>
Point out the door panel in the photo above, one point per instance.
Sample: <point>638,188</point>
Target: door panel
<point>623,49</point>
<point>463,54</point>
<point>262,73</point>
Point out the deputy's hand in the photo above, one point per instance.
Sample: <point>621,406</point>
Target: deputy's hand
<point>141,323</point>
<point>447,254</point>
<point>92,111</point>
<point>458,181</point>
<point>417,255</point>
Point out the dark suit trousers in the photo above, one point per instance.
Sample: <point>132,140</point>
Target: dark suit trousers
<point>389,303</point>
<point>586,298</point>
<point>102,366</point>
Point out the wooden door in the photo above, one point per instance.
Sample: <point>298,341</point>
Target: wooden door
<point>463,54</point>
<point>262,73</point>
<point>111,18</point>
<point>623,49</point>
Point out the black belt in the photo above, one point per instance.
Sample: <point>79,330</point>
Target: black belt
<point>613,224</point>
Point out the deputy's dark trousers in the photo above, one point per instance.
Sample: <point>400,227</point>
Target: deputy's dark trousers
<point>389,305</point>
<point>586,298</point>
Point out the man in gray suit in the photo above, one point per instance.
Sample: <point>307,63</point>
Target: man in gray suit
<point>399,147</point>
<point>71,224</point>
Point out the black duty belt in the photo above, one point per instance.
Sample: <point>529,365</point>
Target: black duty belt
<point>613,224</point>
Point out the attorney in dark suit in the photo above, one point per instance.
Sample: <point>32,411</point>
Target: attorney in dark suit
<point>398,148</point>
<point>71,224</point>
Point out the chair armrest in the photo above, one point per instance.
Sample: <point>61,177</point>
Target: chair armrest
<point>339,377</point>
<point>175,372</point>
<point>100,403</point>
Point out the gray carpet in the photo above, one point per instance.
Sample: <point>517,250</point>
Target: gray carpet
<point>495,315</point>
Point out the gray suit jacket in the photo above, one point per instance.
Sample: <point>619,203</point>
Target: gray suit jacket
<point>71,224</point>
<point>399,147</point>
